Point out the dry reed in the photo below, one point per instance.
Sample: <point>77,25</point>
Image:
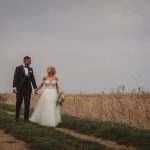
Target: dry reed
<point>129,108</point>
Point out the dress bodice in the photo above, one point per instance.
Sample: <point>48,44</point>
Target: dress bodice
<point>50,85</point>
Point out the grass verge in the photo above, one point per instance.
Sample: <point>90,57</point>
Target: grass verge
<point>120,133</point>
<point>47,138</point>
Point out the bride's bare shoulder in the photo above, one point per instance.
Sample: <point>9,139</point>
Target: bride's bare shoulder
<point>56,78</point>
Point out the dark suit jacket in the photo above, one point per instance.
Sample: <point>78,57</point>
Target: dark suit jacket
<point>20,77</point>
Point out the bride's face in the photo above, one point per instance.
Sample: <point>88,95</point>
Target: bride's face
<point>49,71</point>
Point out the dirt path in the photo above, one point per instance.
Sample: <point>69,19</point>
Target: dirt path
<point>107,143</point>
<point>8,112</point>
<point>8,142</point>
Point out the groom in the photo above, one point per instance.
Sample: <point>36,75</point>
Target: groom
<point>23,77</point>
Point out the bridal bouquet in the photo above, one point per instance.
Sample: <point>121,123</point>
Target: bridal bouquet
<point>60,98</point>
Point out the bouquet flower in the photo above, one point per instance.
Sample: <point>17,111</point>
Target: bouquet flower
<point>60,99</point>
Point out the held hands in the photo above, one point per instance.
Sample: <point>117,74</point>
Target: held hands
<point>36,91</point>
<point>38,88</point>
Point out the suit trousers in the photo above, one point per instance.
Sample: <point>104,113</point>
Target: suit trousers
<point>25,94</point>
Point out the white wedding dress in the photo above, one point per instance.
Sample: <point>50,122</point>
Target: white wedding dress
<point>46,112</point>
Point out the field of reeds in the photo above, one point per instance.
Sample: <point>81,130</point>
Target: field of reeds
<point>128,108</point>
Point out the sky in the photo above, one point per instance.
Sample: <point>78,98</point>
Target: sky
<point>95,45</point>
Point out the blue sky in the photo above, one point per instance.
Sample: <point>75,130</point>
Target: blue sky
<point>95,45</point>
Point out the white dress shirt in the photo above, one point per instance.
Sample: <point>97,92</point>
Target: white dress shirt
<point>26,70</point>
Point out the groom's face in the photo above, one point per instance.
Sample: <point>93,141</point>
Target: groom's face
<point>27,62</point>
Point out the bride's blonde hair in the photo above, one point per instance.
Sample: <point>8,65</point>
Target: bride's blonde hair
<point>52,68</point>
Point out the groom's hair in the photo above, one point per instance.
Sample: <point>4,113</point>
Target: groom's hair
<point>26,57</point>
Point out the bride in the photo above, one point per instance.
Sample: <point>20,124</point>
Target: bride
<point>46,112</point>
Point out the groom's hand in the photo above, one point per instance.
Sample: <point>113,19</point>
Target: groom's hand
<point>14,90</point>
<point>36,91</point>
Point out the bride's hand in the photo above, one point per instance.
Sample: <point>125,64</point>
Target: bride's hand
<point>36,91</point>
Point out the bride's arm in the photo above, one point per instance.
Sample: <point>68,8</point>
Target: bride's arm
<point>41,85</point>
<point>57,86</point>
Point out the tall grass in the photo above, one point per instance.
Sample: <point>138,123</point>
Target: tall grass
<point>129,108</point>
<point>120,107</point>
